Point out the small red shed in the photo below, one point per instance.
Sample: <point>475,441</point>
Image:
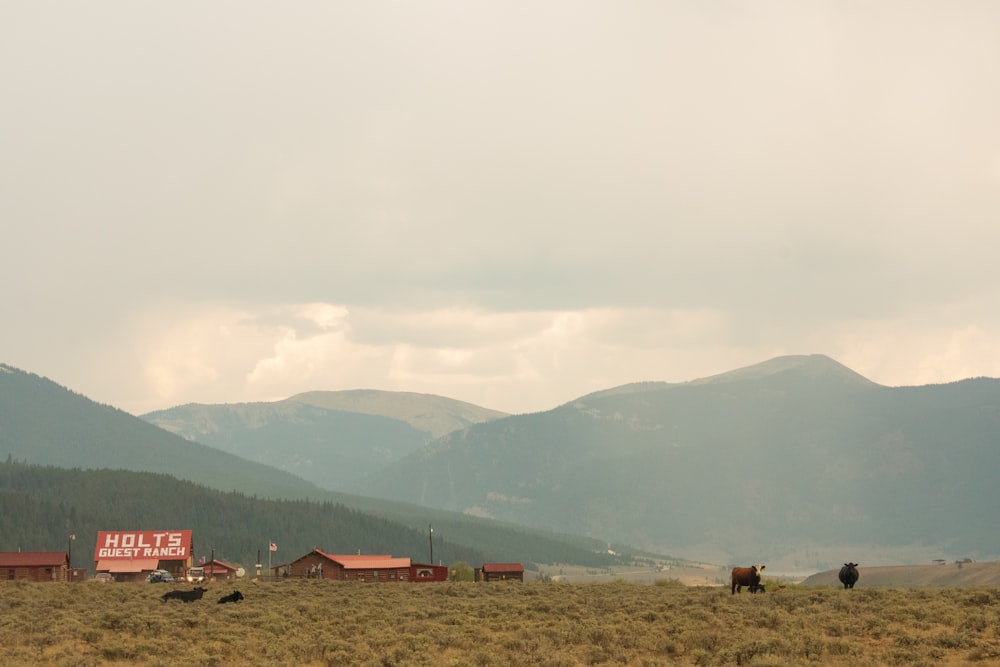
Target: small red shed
<point>219,570</point>
<point>425,572</point>
<point>34,565</point>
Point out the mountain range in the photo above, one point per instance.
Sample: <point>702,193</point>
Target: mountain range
<point>797,458</point>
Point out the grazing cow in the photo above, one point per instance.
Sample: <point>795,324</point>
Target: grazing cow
<point>184,596</point>
<point>849,575</point>
<point>235,596</point>
<point>749,577</point>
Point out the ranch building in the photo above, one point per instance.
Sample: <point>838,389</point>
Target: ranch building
<point>219,570</point>
<point>357,567</point>
<point>130,555</point>
<point>34,565</point>
<point>500,572</point>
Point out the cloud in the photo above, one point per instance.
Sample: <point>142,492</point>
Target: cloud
<point>505,203</point>
<point>516,362</point>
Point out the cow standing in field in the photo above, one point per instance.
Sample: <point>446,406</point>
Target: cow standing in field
<point>184,596</point>
<point>749,577</point>
<point>849,575</point>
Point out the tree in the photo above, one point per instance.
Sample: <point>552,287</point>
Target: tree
<point>461,571</point>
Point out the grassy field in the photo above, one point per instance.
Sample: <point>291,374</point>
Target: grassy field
<point>530,623</point>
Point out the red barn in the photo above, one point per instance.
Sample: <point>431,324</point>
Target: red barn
<point>500,572</point>
<point>34,565</point>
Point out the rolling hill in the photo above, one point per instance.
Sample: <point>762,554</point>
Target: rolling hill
<point>43,422</point>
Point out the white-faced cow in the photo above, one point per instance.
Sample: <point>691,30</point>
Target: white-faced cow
<point>849,575</point>
<point>184,596</point>
<point>749,577</point>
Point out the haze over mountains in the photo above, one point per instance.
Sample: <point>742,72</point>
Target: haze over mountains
<point>329,438</point>
<point>797,458</point>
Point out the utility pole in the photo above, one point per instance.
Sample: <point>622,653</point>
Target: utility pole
<point>430,537</point>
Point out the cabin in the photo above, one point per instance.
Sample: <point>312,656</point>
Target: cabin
<point>34,566</point>
<point>219,571</point>
<point>368,568</point>
<point>500,572</point>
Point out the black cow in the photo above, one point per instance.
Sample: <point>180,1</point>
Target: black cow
<point>849,575</point>
<point>184,596</point>
<point>235,596</point>
<point>749,577</point>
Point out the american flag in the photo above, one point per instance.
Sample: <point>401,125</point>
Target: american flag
<point>274,547</point>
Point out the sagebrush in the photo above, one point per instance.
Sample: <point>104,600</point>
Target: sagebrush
<point>532,623</point>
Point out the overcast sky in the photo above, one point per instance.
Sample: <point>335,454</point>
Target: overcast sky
<point>510,203</point>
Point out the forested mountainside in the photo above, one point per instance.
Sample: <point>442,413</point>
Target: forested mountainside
<point>40,506</point>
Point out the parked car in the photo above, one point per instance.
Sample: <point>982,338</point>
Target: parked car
<point>103,578</point>
<point>160,576</point>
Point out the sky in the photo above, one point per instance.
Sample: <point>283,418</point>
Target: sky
<point>507,203</point>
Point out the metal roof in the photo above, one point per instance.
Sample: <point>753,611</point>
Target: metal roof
<point>366,561</point>
<point>33,558</point>
<point>370,563</point>
<point>218,566</point>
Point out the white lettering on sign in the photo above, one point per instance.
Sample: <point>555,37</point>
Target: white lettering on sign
<point>163,544</point>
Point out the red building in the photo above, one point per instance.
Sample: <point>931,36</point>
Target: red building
<point>425,572</point>
<point>217,569</point>
<point>355,567</point>
<point>130,555</point>
<point>34,565</point>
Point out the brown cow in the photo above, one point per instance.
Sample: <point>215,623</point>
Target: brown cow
<point>749,577</point>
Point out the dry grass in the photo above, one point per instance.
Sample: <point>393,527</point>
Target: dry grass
<point>531,623</point>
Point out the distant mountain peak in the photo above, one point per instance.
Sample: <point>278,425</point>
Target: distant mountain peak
<point>803,365</point>
<point>437,415</point>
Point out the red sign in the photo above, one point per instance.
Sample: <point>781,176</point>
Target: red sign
<point>130,544</point>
